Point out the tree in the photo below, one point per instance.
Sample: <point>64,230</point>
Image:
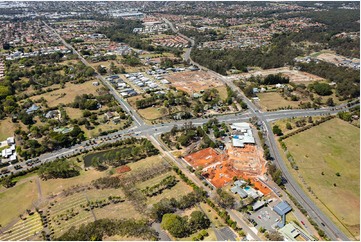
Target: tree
<point>330,102</point>
<point>346,116</point>
<point>322,89</point>
<point>7,182</point>
<point>102,70</point>
<point>288,126</point>
<point>163,207</point>
<point>275,236</point>
<point>276,130</point>
<point>6,46</point>
<point>176,225</point>
<point>224,199</point>
<point>198,220</point>
<point>58,169</point>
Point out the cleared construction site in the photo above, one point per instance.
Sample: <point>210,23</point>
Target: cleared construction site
<point>220,168</point>
<point>243,159</point>
<point>193,81</point>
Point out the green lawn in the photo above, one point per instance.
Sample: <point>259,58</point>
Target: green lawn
<point>330,148</point>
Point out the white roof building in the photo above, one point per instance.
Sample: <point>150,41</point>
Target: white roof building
<point>10,140</point>
<point>6,153</point>
<point>245,135</point>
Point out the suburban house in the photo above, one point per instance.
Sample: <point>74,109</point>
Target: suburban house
<point>32,109</point>
<point>114,116</point>
<point>52,114</point>
<point>9,153</point>
<point>244,191</point>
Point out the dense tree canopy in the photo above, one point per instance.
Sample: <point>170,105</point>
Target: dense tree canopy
<point>58,169</point>
<point>108,227</point>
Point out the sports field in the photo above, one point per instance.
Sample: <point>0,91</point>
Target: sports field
<point>328,157</point>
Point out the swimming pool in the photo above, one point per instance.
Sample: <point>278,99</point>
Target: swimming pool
<point>246,188</point>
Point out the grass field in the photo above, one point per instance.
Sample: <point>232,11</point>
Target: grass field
<point>14,201</point>
<point>121,238</point>
<point>61,207</point>
<point>150,113</point>
<point>68,93</point>
<point>282,123</point>
<point>212,215</point>
<point>7,128</point>
<point>330,148</point>
<point>273,100</point>
<point>55,186</point>
<point>154,181</point>
<point>180,189</point>
<point>102,127</point>
<point>118,211</point>
<point>23,229</point>
<point>222,92</point>
<point>74,113</point>
<point>145,163</point>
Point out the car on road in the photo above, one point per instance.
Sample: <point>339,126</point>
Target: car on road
<point>323,224</point>
<point>17,167</point>
<point>5,171</point>
<point>303,223</point>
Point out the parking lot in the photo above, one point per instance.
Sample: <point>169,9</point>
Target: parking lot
<point>265,218</point>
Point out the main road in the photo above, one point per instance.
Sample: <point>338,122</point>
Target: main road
<point>152,131</point>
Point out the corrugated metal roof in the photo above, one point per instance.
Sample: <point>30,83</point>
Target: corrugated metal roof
<point>282,208</point>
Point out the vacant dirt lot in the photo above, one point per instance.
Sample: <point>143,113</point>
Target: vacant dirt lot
<point>331,58</point>
<point>294,75</point>
<point>193,81</point>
